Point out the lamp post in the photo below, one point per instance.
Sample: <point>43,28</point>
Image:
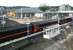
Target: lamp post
<point>3,20</point>
<point>28,28</point>
<point>58,18</point>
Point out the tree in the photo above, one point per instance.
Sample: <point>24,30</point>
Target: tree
<point>44,7</point>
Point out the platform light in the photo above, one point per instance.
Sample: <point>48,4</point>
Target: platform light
<point>3,22</point>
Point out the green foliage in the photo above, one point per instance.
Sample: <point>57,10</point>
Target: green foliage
<point>43,8</point>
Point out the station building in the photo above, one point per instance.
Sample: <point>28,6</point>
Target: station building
<point>62,11</point>
<point>58,13</point>
<point>25,12</point>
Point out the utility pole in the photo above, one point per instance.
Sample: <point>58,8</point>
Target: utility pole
<point>21,13</point>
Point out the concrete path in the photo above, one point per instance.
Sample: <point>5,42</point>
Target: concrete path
<point>50,45</point>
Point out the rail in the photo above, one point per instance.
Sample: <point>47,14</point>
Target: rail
<point>19,39</point>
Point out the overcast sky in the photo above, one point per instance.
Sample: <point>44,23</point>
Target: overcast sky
<point>34,3</point>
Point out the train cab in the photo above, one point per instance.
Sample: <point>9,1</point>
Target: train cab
<point>36,28</point>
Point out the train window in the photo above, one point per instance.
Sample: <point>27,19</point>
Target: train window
<point>52,30</point>
<point>48,32</point>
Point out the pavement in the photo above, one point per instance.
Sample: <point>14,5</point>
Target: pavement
<point>45,44</point>
<point>52,44</point>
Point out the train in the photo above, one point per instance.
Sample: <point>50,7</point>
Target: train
<point>22,30</point>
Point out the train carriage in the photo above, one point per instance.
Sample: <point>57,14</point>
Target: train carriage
<point>14,32</point>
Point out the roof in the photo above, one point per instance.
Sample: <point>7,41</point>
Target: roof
<point>28,10</point>
<point>59,12</point>
<point>18,28</point>
<point>45,21</point>
<point>61,8</point>
<point>8,25</point>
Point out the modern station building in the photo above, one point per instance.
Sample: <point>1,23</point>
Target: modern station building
<point>28,12</point>
<point>25,12</point>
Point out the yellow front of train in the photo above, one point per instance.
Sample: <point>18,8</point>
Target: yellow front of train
<point>11,14</point>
